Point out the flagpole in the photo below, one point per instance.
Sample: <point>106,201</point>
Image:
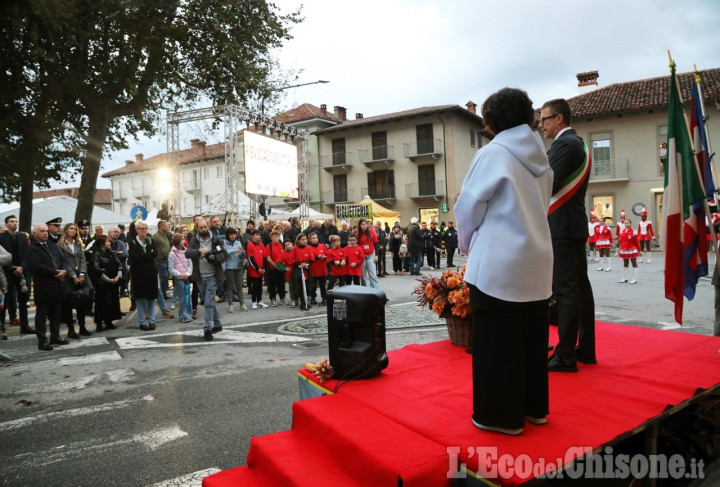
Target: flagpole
<point>697,168</point>
<point>711,154</point>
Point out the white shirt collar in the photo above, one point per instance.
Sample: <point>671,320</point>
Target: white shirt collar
<point>561,132</point>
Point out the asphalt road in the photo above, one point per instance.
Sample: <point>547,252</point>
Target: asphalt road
<point>132,408</point>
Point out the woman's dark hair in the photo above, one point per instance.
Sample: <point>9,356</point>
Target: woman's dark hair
<point>359,228</point>
<point>231,231</point>
<point>506,109</point>
<point>100,241</point>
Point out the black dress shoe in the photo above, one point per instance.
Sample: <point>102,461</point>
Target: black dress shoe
<point>58,341</point>
<point>556,364</point>
<point>110,326</point>
<point>44,346</point>
<point>73,334</point>
<point>216,329</point>
<point>207,334</point>
<point>84,332</point>
<point>151,326</point>
<point>584,358</point>
<point>27,330</point>
<point>144,328</point>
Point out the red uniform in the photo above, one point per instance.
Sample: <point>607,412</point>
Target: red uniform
<point>591,231</point>
<point>629,244</point>
<point>274,251</point>
<point>367,244</point>
<point>256,251</point>
<point>286,259</point>
<point>645,230</point>
<point>300,255</point>
<point>319,267</point>
<point>338,255</point>
<point>603,237</point>
<point>354,255</point>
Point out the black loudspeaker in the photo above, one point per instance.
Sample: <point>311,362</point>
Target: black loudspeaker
<point>356,331</point>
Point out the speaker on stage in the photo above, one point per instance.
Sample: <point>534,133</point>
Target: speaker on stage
<point>356,331</point>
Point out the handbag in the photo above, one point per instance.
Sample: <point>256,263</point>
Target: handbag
<point>83,298</point>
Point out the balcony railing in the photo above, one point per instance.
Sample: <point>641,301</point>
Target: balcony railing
<point>332,197</point>
<point>422,148</point>
<point>141,192</point>
<point>386,193</point>
<point>609,170</point>
<point>425,189</point>
<point>120,195</point>
<point>337,162</point>
<point>377,155</point>
<point>191,186</point>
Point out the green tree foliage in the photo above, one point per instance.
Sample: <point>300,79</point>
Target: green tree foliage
<point>123,62</point>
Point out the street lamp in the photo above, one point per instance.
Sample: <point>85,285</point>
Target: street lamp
<point>282,88</point>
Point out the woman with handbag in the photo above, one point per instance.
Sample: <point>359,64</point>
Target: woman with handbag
<point>143,275</point>
<point>107,274</point>
<point>77,288</point>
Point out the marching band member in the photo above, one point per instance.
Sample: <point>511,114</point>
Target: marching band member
<point>603,242</point>
<point>645,234</point>
<point>629,251</point>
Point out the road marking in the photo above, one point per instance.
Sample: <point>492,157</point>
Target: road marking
<point>224,338</point>
<point>92,358</point>
<point>45,417</point>
<point>669,326</point>
<point>87,342</point>
<point>115,376</point>
<point>152,440</point>
<point>193,479</point>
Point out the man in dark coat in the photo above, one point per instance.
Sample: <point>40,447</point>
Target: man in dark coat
<point>294,229</point>
<point>344,233</point>
<point>48,268</point>
<point>17,275</point>
<point>574,312</point>
<point>416,247</point>
<point>451,242</point>
<point>54,228</point>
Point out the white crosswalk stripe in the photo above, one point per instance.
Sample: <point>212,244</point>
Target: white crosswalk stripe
<point>193,479</point>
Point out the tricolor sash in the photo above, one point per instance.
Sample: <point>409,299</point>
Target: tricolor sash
<point>571,184</point>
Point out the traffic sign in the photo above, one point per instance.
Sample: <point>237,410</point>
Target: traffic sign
<point>444,208</point>
<point>138,211</point>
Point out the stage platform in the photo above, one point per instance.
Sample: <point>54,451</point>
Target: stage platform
<point>411,425</point>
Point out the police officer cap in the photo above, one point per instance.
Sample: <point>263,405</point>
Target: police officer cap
<point>83,224</point>
<point>54,221</point>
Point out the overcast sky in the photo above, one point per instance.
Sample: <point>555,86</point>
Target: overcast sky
<point>383,56</point>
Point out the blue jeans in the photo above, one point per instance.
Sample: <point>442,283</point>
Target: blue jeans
<point>416,261</point>
<point>184,310</point>
<point>163,276</point>
<point>208,288</point>
<point>144,305</point>
<point>368,271</point>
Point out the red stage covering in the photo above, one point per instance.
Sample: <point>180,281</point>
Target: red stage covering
<point>401,424</point>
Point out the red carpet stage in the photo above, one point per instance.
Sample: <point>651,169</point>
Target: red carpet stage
<point>411,425</point>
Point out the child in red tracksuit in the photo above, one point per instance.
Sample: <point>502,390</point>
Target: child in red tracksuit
<point>629,251</point>
<point>286,260</point>
<point>275,272</point>
<point>338,263</point>
<point>603,242</point>
<point>256,270</point>
<point>355,259</point>
<point>318,269</point>
<point>302,257</point>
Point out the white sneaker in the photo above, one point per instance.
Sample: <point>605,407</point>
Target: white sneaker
<point>262,305</point>
<point>599,268</point>
<point>172,304</point>
<point>649,260</point>
<point>607,270</point>
<point>230,308</point>
<point>253,306</point>
<point>293,304</point>
<point>286,301</point>
<point>623,280</point>
<point>633,281</point>
<point>639,259</point>
<point>272,303</point>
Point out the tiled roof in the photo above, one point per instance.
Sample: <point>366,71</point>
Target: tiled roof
<point>102,196</point>
<point>640,96</point>
<point>306,111</point>
<point>187,156</point>
<point>391,117</point>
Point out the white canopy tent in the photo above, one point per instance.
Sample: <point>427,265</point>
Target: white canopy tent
<point>219,205</point>
<point>315,215</point>
<point>46,209</point>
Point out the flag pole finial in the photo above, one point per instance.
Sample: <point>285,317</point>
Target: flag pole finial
<point>672,63</point>
<point>698,79</point>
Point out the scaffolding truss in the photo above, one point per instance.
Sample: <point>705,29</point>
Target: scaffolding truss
<point>231,116</point>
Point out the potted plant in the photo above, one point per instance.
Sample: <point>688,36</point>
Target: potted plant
<point>448,296</point>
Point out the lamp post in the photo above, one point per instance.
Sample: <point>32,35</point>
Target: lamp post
<point>282,88</point>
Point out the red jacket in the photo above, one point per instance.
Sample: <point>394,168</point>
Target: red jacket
<point>319,266</point>
<point>257,253</point>
<point>274,251</point>
<point>338,255</point>
<point>300,255</point>
<point>354,255</point>
<point>367,244</point>
<point>629,240</point>
<point>286,259</point>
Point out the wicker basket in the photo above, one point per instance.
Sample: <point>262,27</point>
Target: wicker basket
<point>459,330</point>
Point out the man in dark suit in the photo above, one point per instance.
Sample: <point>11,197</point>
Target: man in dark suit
<point>575,308</point>
<point>48,268</point>
<point>54,229</point>
<point>17,276</point>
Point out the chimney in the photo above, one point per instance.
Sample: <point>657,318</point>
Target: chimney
<point>138,158</point>
<point>341,113</point>
<point>471,107</point>
<point>587,81</point>
<point>358,116</point>
<point>202,146</point>
<point>323,109</point>
<point>128,162</point>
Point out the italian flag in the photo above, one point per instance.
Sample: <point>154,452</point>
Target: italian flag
<point>682,190</point>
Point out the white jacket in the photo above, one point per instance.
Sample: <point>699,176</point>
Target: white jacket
<point>502,218</point>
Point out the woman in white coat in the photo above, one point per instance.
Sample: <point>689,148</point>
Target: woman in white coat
<point>503,208</point>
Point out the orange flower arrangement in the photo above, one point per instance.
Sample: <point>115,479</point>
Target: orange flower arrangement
<point>445,295</point>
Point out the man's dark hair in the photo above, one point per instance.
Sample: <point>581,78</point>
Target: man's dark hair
<point>561,106</point>
<point>231,231</point>
<point>100,241</point>
<point>506,109</point>
<point>255,232</point>
<point>7,218</point>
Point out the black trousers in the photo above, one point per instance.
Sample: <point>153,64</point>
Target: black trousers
<point>575,305</point>
<point>450,252</point>
<point>381,265</point>
<point>509,363</point>
<point>255,285</point>
<point>276,283</point>
<point>332,280</point>
<point>15,299</point>
<point>430,255</point>
<point>48,312</point>
<point>314,283</point>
